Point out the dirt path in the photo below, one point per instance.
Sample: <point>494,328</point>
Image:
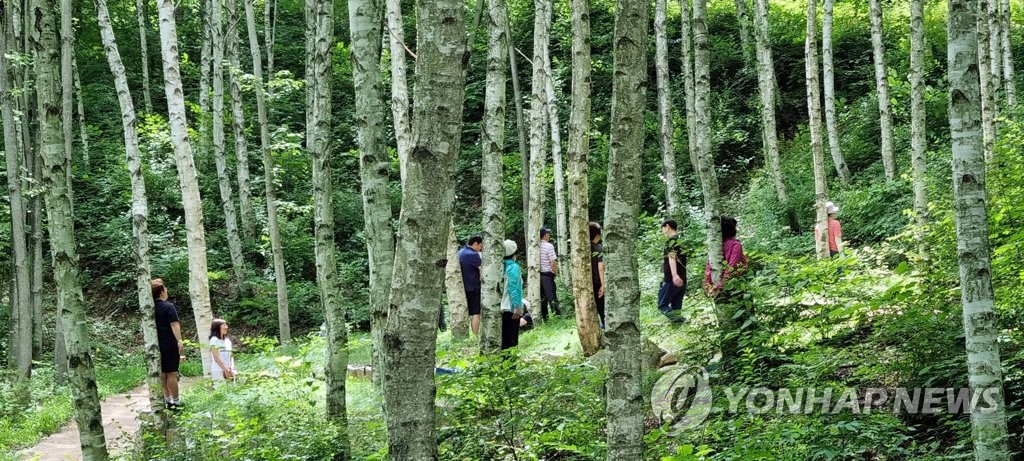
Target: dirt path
<point>120,424</point>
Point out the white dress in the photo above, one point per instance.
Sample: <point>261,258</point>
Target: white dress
<point>222,347</point>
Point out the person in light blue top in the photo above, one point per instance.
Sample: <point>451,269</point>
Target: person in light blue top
<point>512,300</point>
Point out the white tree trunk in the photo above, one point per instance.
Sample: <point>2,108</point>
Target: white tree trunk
<point>882,87</point>
<point>410,336</point>
<point>67,82</point>
<point>399,88</point>
<point>814,122</point>
<point>918,140</point>
<point>246,212</point>
<point>587,320</point>
<point>268,177</point>
<point>705,161</point>
<point>455,290</point>
<point>319,52</point>
<point>981,333</point>
<point>140,207</point>
<point>82,131</point>
<point>995,47</point>
<point>561,227</point>
<point>517,94</point>
<point>198,280</point>
<point>227,194</point>
<point>21,303</point>
<point>988,90</point>
<point>61,229</point>
<point>538,149</point>
<point>269,32</point>
<point>140,13</point>
<point>830,96</point>
<point>205,64</point>
<point>686,18</point>
<point>1009,79</point>
<point>746,43</point>
<point>625,403</point>
<point>491,175</point>
<point>668,155</point>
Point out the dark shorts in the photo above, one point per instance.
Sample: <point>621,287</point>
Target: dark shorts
<point>169,358</point>
<point>473,301</point>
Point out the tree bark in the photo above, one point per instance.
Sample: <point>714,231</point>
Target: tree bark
<point>140,207</point>
<point>814,122</point>
<point>458,306</point>
<point>746,43</point>
<point>981,333</point>
<point>270,32</point>
<point>82,131</point>
<point>140,13</point>
<point>1008,73</point>
<point>198,280</point>
<point>269,177</point>
<point>61,229</point>
<point>689,87</point>
<point>399,94</point>
<point>205,64</point>
<point>410,336</point>
<point>626,145</point>
<point>319,54</point>
<point>988,91</point>
<point>227,194</point>
<point>830,96</point>
<point>702,116</point>
<point>67,82</point>
<point>587,320</point>
<point>22,314</point>
<point>517,94</point>
<point>918,141</point>
<point>995,46</point>
<point>246,212</point>
<point>492,185</point>
<point>882,87</point>
<point>561,227</point>
<point>668,155</point>
<point>538,148</point>
<point>766,85</point>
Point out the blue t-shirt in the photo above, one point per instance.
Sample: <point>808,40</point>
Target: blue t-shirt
<point>470,262</point>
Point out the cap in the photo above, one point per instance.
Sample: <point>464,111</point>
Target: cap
<point>510,248</point>
<point>831,208</point>
<point>544,231</point>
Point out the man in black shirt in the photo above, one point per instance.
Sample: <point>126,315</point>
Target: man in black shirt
<point>597,269</point>
<point>673,266</point>
<point>168,334</point>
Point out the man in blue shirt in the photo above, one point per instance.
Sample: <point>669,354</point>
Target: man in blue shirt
<point>471,265</point>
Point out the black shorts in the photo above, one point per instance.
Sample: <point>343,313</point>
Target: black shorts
<point>169,358</point>
<point>473,301</point>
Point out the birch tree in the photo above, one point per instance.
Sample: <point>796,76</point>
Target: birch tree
<point>517,94</point>
<point>410,335</point>
<point>492,193</point>
<point>743,19</point>
<point>668,155</point>
<point>21,305</point>
<point>918,141</point>
<point>399,94</point>
<point>140,207</point>
<point>1008,74</point>
<point>538,148</point>
<point>688,83</point>
<point>82,131</point>
<point>626,145</point>
<point>995,47</point>
<point>988,91</point>
<point>702,129</point>
<point>830,96</point>
<point>455,290</point>
<point>140,14</point>
<point>67,54</point>
<point>227,194</point>
<point>205,64</point>
<point>814,122</point>
<point>766,87</point>
<point>319,47</point>
<point>61,229</point>
<point>269,180</point>
<point>988,423</point>
<point>270,32</point>
<point>561,227</point>
<point>587,320</point>
<point>246,212</point>
<point>195,234</point>
<point>882,88</point>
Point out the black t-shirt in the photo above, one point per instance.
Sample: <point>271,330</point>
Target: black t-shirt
<point>596,257</point>
<point>166,314</point>
<point>674,244</point>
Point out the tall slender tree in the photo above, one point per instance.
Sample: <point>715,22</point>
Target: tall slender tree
<point>702,129</point>
<point>814,122</point>
<point>67,82</point>
<point>269,181</point>
<point>988,90</point>
<point>995,47</point>
<point>830,96</point>
<point>746,43</point>
<point>882,88</point>
<point>561,226</point>
<point>491,176</point>
<point>270,32</point>
<point>622,200</point>
<point>140,206</point>
<point>61,229</point>
<point>668,155</point>
<point>410,335</point>
<point>455,289</point>
<point>83,133</point>
<point>140,14</point>
<point>246,212</point>
<point>198,279</point>
<point>1008,74</point>
<point>918,141</point>
<point>517,94</point>
<point>399,93</point>
<point>689,88</point>
<point>319,47</point>
<point>981,333</point>
<point>538,148</point>
<point>205,64</point>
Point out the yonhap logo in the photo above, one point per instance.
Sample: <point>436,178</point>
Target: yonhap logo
<point>682,397</point>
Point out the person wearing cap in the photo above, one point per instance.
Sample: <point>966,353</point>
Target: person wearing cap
<point>835,230</point>
<point>471,265</point>
<point>597,269</point>
<point>673,267</point>
<point>512,297</point>
<point>548,271</point>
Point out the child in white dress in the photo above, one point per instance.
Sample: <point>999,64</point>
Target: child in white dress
<point>223,365</point>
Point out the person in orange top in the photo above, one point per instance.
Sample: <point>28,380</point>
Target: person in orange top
<point>835,230</point>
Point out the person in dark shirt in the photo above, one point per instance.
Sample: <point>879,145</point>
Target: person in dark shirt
<point>673,266</point>
<point>470,264</point>
<point>168,334</point>
<point>597,269</point>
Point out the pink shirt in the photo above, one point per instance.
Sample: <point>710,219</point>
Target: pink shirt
<point>735,260</point>
<point>835,234</point>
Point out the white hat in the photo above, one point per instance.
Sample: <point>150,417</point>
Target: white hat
<point>510,248</point>
<point>831,208</point>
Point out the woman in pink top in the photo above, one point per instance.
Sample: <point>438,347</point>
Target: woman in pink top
<point>732,253</point>
<point>835,230</point>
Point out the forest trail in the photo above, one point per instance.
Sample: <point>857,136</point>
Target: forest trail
<point>120,423</point>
